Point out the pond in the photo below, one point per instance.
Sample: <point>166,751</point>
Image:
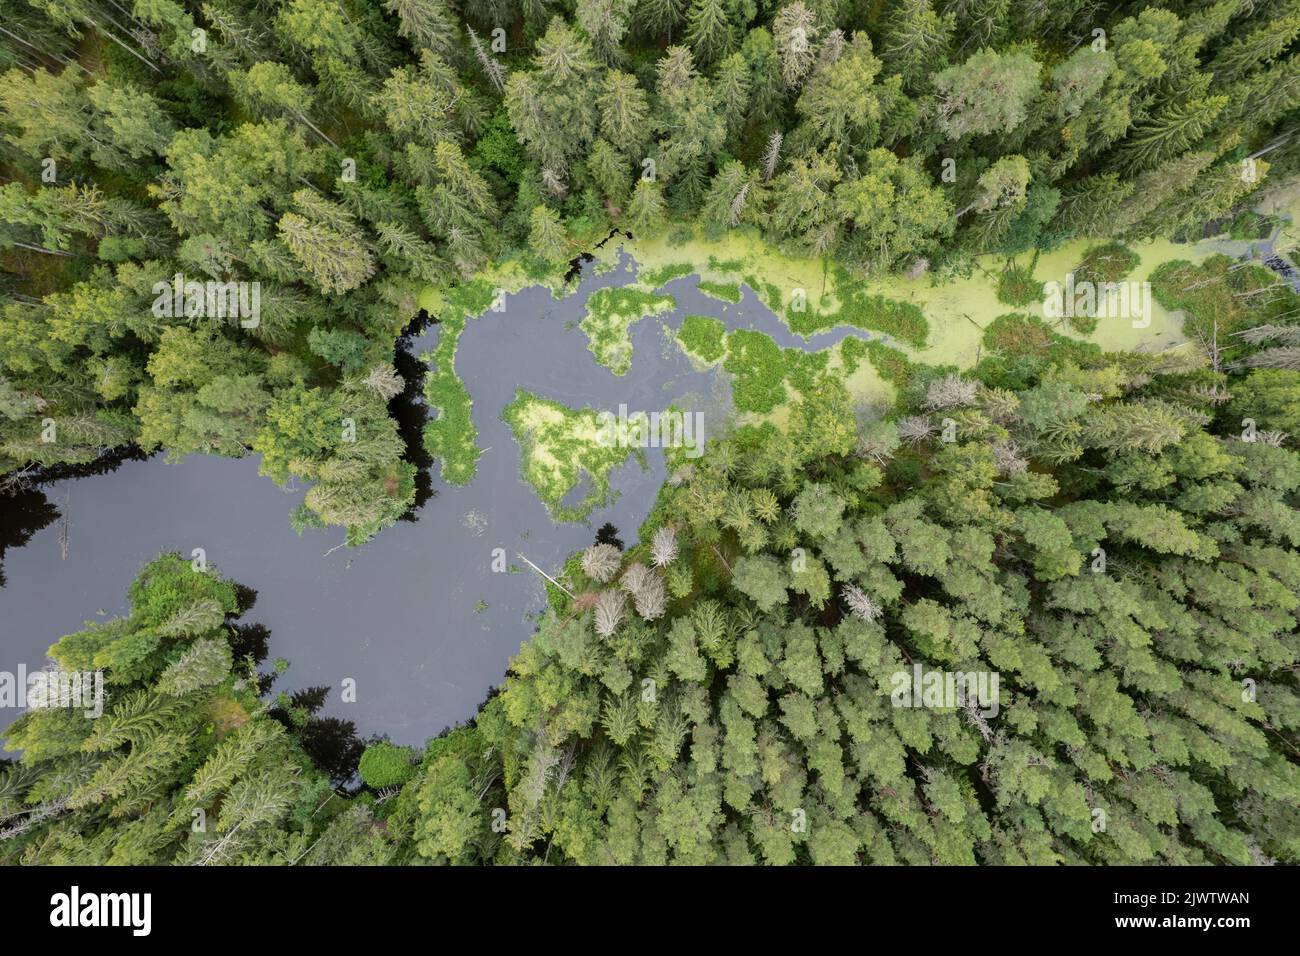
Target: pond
<point>417,618</point>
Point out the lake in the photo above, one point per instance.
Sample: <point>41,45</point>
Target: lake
<point>416,617</point>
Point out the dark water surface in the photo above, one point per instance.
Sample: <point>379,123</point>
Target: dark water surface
<point>403,616</point>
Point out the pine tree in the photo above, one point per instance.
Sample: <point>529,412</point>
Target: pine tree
<point>605,22</point>
<point>417,255</point>
<point>988,93</point>
<point>914,41</point>
<point>546,236</point>
<point>205,663</point>
<point>661,17</point>
<point>839,101</point>
<point>733,198</point>
<point>709,30</point>
<point>624,113</point>
<point>1169,134</point>
<point>426,23</point>
<point>336,262</point>
<point>552,107</point>
<point>611,171</point>
<point>269,88</point>
<point>1261,46</point>
<point>731,84</point>
<point>645,213</point>
<point>663,547</point>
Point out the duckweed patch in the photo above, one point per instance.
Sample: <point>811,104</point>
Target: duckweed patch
<point>852,351</point>
<point>451,437</point>
<point>891,364</point>
<point>765,378</point>
<point>803,370</point>
<point>704,337</point>
<point>768,292</point>
<point>560,447</point>
<point>610,316</point>
<point>756,363</point>
<point>863,310</point>
<point>725,291</point>
<point>661,276</point>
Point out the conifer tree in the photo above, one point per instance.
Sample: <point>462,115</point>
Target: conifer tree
<point>546,237</point>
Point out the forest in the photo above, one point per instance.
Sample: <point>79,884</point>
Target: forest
<point>217,218</point>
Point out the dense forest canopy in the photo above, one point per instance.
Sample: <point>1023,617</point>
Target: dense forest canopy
<point>343,156</point>
<point>1102,542</point>
<point>1113,537</point>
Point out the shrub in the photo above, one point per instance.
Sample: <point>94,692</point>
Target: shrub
<point>386,765</point>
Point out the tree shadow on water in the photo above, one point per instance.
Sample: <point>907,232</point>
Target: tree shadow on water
<point>411,413</point>
<point>23,512</point>
<point>27,505</point>
<point>608,534</point>
<point>332,743</point>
